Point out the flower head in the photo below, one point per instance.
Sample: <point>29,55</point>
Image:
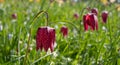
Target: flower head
<point>64,31</point>
<point>91,20</point>
<point>14,15</point>
<point>76,15</point>
<point>45,38</point>
<point>104,16</point>
<point>95,11</point>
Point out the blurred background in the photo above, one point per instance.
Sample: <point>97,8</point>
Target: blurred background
<point>100,47</point>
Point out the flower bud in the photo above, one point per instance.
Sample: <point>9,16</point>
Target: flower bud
<point>104,16</point>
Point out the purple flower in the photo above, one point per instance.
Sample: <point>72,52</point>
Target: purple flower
<point>91,20</point>
<point>76,15</point>
<point>45,38</point>
<point>64,31</point>
<point>95,11</point>
<point>104,16</point>
<point>14,16</point>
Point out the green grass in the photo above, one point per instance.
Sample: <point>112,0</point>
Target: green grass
<point>79,48</point>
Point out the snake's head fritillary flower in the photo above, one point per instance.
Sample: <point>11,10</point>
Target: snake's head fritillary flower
<point>14,15</point>
<point>45,38</point>
<point>90,20</point>
<point>95,11</point>
<point>64,31</point>
<point>104,16</point>
<point>76,15</point>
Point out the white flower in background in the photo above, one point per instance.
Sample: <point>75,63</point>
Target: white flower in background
<point>110,13</point>
<point>28,35</point>
<point>104,28</point>
<point>10,36</point>
<point>55,54</point>
<point>25,22</point>
<point>25,45</point>
<point>75,32</point>
<point>52,63</point>
<point>30,49</point>
<point>14,20</point>
<point>29,10</point>
<point>56,26</point>
<point>28,18</point>
<point>60,2</point>
<point>112,1</point>
<point>75,0</point>
<point>69,59</point>
<point>20,42</point>
<point>1,27</point>
<point>89,45</point>
<point>81,23</point>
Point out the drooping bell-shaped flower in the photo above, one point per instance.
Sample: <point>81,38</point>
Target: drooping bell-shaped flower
<point>90,20</point>
<point>76,15</point>
<point>64,31</point>
<point>14,15</point>
<point>104,16</point>
<point>45,38</point>
<point>95,11</point>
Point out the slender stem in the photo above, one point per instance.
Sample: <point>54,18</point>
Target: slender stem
<point>28,45</point>
<point>38,14</point>
<point>84,9</point>
<point>27,51</point>
<point>67,22</point>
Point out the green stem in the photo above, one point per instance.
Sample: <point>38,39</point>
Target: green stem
<point>28,45</point>
<point>27,51</point>
<point>42,58</point>
<point>38,14</point>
